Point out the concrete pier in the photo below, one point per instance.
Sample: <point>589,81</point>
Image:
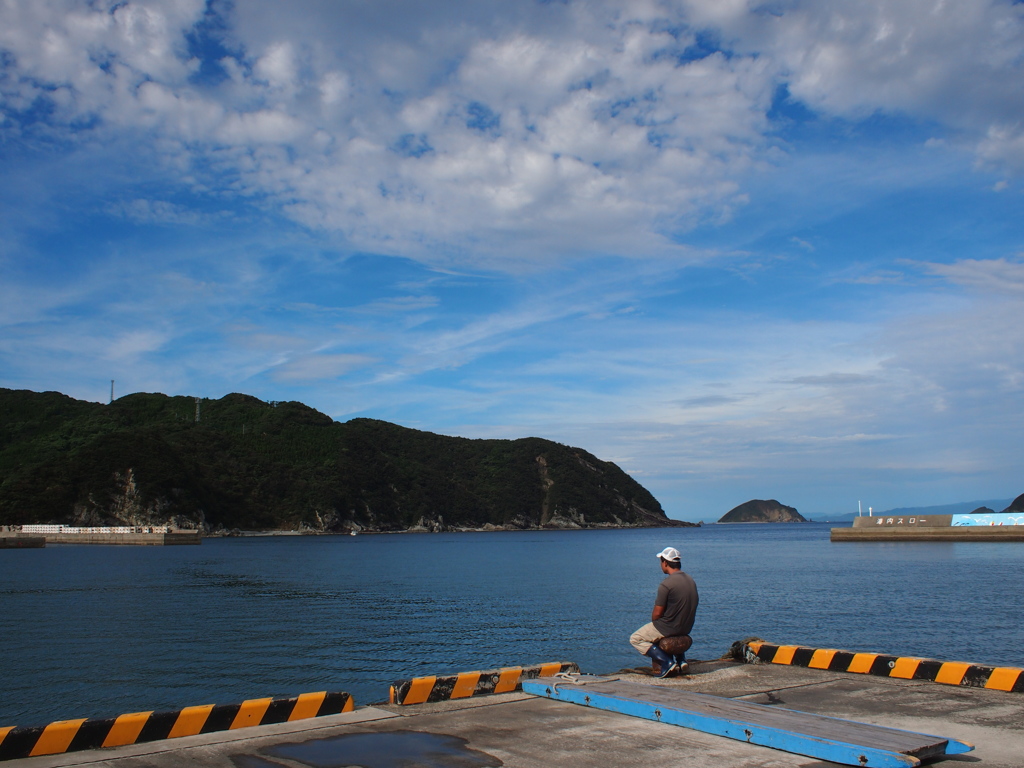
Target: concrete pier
<point>137,539</point>
<point>999,526</point>
<point>995,533</point>
<point>21,541</point>
<point>130,535</point>
<point>516,729</point>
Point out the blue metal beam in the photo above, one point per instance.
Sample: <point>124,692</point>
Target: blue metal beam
<point>740,730</point>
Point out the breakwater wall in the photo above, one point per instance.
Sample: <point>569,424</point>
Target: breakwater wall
<point>157,535</point>
<point>21,541</point>
<point>998,526</point>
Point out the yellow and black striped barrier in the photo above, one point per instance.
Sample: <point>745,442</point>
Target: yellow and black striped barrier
<point>139,727</point>
<point>903,667</point>
<point>441,688</point>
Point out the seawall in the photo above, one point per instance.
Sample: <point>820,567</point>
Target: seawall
<point>21,541</point>
<point>1015,533</point>
<point>990,527</point>
<point>131,535</point>
<point>151,539</point>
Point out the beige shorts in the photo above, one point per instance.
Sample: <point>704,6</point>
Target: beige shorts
<point>644,637</point>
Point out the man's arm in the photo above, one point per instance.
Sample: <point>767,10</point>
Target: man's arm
<point>660,601</point>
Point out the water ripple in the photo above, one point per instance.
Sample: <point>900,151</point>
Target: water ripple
<point>89,631</point>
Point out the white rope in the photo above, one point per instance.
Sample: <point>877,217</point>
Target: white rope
<point>571,678</point>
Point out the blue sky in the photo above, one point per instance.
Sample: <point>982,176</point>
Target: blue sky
<point>744,250</point>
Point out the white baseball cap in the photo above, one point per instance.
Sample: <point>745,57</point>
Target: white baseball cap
<point>669,553</point>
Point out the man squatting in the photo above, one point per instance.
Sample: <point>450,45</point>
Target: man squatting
<point>674,610</point>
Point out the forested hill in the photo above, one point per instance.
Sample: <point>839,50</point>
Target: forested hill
<point>251,465</point>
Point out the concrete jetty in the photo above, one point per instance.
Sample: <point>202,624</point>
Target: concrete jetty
<point>998,526</point>
<point>519,729</point>
<point>161,535</point>
<point>21,541</point>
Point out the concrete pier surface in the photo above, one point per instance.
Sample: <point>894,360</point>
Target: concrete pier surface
<point>516,729</point>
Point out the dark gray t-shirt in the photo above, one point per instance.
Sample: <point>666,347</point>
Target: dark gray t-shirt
<point>678,594</point>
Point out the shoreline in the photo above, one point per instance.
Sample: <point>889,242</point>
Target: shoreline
<point>236,533</point>
<point>762,522</point>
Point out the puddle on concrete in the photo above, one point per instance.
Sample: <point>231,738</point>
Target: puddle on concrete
<point>396,749</point>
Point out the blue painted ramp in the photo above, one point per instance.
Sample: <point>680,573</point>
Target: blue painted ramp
<point>802,733</point>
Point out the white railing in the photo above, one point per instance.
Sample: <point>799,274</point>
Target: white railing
<point>96,530</point>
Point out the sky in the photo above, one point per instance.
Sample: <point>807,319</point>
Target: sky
<point>742,249</point>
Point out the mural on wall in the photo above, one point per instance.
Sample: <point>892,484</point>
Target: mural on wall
<point>996,518</point>
<point>943,521</point>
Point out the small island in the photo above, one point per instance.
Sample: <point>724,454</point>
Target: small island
<point>762,511</point>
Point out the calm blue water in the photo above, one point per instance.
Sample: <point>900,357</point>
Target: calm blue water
<point>90,631</point>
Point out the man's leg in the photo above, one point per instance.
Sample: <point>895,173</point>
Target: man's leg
<point>644,638</point>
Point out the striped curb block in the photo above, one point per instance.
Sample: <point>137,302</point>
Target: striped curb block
<point>420,690</point>
<point>139,727</point>
<point>1009,679</point>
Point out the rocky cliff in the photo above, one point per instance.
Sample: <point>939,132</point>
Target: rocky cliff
<point>759,511</point>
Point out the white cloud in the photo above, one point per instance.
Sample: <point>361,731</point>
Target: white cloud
<point>987,276</point>
<point>278,67</point>
<point>958,63</point>
<point>1003,148</point>
<point>262,127</point>
<point>502,131</point>
<point>308,368</point>
<point>159,212</point>
<point>400,305</point>
<point>131,344</point>
<point>962,357</point>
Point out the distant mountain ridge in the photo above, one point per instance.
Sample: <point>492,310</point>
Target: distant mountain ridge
<point>961,508</point>
<point>145,459</point>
